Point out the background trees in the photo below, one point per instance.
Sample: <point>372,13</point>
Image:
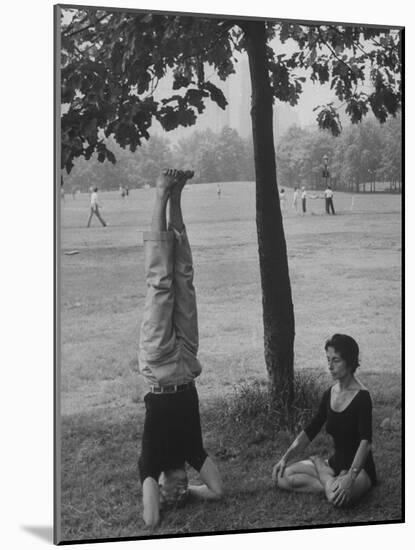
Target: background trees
<point>215,157</point>
<point>112,62</point>
<point>358,157</point>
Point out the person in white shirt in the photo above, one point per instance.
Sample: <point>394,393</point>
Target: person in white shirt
<point>95,208</point>
<point>295,199</point>
<point>328,195</point>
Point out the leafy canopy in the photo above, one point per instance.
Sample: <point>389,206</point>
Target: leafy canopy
<point>112,63</point>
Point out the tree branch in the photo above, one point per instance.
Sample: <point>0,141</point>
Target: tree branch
<point>357,44</point>
<point>210,46</point>
<point>88,26</point>
<point>333,51</point>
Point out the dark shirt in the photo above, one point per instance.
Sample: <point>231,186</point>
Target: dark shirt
<point>347,428</point>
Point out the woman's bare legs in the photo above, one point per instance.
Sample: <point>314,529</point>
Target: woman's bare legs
<point>301,477</point>
<point>330,482</point>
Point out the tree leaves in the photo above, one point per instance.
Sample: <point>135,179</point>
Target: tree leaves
<point>328,119</point>
<point>112,60</point>
<point>216,94</point>
<point>357,107</point>
<point>112,63</point>
<point>340,55</point>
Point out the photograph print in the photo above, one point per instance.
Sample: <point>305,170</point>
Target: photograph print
<point>228,200</point>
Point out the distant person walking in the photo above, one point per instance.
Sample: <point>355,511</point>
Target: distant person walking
<point>295,199</point>
<point>95,208</point>
<point>328,195</point>
<point>218,191</point>
<point>304,199</point>
<point>283,200</point>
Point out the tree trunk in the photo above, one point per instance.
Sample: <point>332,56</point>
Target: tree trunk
<point>278,311</point>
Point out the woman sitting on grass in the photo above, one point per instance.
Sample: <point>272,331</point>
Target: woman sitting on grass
<point>346,409</point>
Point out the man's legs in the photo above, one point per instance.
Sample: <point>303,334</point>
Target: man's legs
<point>332,206</point>
<point>327,206</point>
<point>157,338</point>
<point>98,215</point>
<point>90,217</point>
<point>151,502</point>
<point>185,308</point>
<point>185,320</point>
<point>212,489</point>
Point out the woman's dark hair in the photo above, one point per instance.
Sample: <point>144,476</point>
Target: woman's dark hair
<point>347,347</point>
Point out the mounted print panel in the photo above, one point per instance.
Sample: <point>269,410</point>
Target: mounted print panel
<point>228,257</point>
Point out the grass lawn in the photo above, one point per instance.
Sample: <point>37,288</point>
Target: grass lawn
<point>346,276</point>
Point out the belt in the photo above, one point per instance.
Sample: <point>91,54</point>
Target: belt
<point>173,388</point>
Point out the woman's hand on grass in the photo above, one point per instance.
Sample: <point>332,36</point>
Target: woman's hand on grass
<point>342,489</point>
<point>278,469</point>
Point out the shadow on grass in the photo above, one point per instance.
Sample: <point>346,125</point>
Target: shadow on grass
<point>101,496</point>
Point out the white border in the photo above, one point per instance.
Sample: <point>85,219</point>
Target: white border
<point>26,288</point>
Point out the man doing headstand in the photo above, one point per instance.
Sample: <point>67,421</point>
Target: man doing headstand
<point>168,360</point>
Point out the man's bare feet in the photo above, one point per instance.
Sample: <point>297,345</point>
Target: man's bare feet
<point>166,181</point>
<point>181,179</point>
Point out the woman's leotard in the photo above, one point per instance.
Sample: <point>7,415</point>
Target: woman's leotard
<point>347,428</point>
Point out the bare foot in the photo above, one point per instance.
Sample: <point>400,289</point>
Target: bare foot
<point>166,181</point>
<point>319,463</point>
<point>181,179</point>
<point>324,471</point>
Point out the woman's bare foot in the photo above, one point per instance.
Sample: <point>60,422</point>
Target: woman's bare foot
<point>319,463</point>
<point>324,471</point>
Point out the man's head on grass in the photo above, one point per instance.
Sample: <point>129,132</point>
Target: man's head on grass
<point>173,487</point>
